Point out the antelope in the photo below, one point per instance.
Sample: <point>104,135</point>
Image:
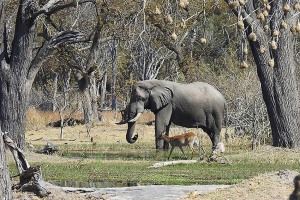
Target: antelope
<point>182,140</point>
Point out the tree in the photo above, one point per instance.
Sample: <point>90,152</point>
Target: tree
<point>5,185</point>
<point>146,51</point>
<point>270,27</point>
<point>21,60</point>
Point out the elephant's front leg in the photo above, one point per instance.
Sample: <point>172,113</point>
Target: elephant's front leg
<point>162,124</point>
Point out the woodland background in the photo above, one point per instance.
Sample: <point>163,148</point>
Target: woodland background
<point>89,54</point>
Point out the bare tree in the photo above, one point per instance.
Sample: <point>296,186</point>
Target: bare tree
<point>146,60</point>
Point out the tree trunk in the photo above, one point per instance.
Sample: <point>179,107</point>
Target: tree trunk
<point>5,185</point>
<point>93,94</point>
<point>275,67</point>
<point>278,82</point>
<point>15,87</point>
<point>114,77</point>
<point>279,88</point>
<point>19,68</point>
<point>13,105</point>
<point>54,91</point>
<point>103,90</point>
<point>66,86</point>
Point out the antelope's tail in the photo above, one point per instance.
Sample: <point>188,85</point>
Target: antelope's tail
<point>196,142</point>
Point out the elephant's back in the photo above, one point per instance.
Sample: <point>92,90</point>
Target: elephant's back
<point>204,90</point>
<point>202,95</point>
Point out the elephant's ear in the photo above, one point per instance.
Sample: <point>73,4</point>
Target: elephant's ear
<point>159,97</point>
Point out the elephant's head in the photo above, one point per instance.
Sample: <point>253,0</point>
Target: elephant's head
<point>145,95</point>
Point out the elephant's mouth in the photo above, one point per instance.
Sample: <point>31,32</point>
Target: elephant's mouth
<point>135,118</point>
<point>131,120</point>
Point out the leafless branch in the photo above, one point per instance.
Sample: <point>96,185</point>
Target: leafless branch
<point>54,6</point>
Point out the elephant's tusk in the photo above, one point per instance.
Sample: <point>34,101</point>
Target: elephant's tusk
<point>136,118</point>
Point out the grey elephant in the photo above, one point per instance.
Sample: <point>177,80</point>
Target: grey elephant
<point>194,105</point>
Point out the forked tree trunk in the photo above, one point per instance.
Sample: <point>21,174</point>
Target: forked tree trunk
<point>275,65</point>
<point>279,89</point>
<point>19,67</point>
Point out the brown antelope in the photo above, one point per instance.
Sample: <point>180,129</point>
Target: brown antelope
<point>182,140</point>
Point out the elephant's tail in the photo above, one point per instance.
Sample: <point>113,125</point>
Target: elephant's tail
<point>226,122</point>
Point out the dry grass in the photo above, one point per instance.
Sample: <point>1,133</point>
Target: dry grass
<point>37,119</point>
<point>105,131</point>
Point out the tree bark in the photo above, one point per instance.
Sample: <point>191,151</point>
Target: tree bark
<point>114,74</point>
<point>94,99</point>
<point>14,86</point>
<point>279,88</point>
<point>5,184</point>
<point>54,91</point>
<point>278,82</point>
<point>103,90</point>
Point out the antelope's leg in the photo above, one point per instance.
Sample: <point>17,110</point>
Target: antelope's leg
<point>171,152</point>
<point>182,151</point>
<point>192,149</point>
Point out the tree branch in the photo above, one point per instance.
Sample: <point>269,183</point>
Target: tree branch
<point>19,157</point>
<point>94,51</point>
<point>65,37</point>
<point>30,178</point>
<point>54,6</point>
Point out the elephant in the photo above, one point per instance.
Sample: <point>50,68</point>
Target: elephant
<point>194,105</point>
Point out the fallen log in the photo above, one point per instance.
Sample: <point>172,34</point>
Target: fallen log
<point>49,149</point>
<point>176,162</point>
<point>30,178</point>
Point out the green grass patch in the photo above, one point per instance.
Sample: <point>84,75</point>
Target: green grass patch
<point>129,164</point>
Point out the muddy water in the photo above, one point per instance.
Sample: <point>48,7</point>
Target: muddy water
<point>101,184</point>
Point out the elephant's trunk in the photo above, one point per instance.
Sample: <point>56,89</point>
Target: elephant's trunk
<point>130,130</point>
